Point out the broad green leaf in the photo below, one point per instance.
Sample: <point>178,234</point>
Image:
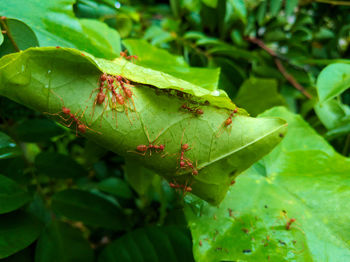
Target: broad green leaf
<point>168,243</point>
<point>89,208</point>
<point>57,26</point>
<point>115,186</point>
<point>155,58</point>
<point>257,95</point>
<point>49,78</point>
<point>17,231</point>
<point>58,166</point>
<point>8,147</point>
<point>332,81</point>
<point>302,178</point>
<point>22,35</point>
<point>12,196</point>
<point>61,243</point>
<point>210,3</point>
<point>36,130</point>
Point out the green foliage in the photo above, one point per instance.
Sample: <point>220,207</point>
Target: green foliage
<point>69,195</point>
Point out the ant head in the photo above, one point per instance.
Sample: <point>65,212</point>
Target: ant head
<point>292,220</point>
<point>184,106</point>
<point>110,80</point>
<point>199,112</point>
<point>119,78</point>
<point>161,147</point>
<point>236,110</point>
<point>172,185</point>
<point>184,147</point>
<point>82,128</point>
<point>65,110</point>
<point>233,182</point>
<point>195,172</point>
<point>103,77</point>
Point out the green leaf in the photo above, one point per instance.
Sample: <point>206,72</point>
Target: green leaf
<point>57,26</point>
<point>36,130</point>
<point>115,186</point>
<point>210,3</point>
<point>275,7</point>
<point>155,58</point>
<point>1,38</point>
<point>89,208</point>
<point>290,6</point>
<point>60,242</point>
<point>8,147</point>
<point>24,255</point>
<point>333,113</point>
<point>57,165</point>
<point>139,177</point>
<point>169,243</point>
<point>332,81</point>
<point>257,95</point>
<point>12,196</point>
<point>22,35</point>
<point>17,231</point>
<point>240,9</point>
<point>302,178</point>
<point>219,153</point>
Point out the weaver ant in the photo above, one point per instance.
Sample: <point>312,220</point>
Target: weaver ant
<point>194,110</point>
<point>228,121</point>
<point>142,149</point>
<point>80,126</point>
<point>125,55</point>
<point>185,187</point>
<point>185,162</point>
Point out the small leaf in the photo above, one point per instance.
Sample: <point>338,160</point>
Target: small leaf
<point>290,6</point>
<point>36,130</point>
<point>58,166</point>
<point>12,196</point>
<point>332,81</point>
<point>169,243</point>
<point>275,7</point>
<point>89,208</point>
<point>257,95</point>
<point>1,38</point>
<point>158,59</point>
<point>240,9</point>
<point>8,148</point>
<point>115,186</point>
<point>17,231</point>
<point>22,35</point>
<point>210,3</point>
<point>60,242</point>
<point>67,31</point>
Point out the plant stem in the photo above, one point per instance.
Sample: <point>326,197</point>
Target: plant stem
<point>8,33</point>
<point>280,66</point>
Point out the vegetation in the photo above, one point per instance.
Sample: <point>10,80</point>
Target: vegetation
<point>181,130</point>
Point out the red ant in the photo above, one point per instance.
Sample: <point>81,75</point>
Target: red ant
<point>228,121</point>
<point>125,55</point>
<point>184,162</point>
<point>151,146</point>
<point>80,126</point>
<point>100,98</point>
<point>196,111</point>
<point>289,223</point>
<point>127,91</point>
<point>185,188</point>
